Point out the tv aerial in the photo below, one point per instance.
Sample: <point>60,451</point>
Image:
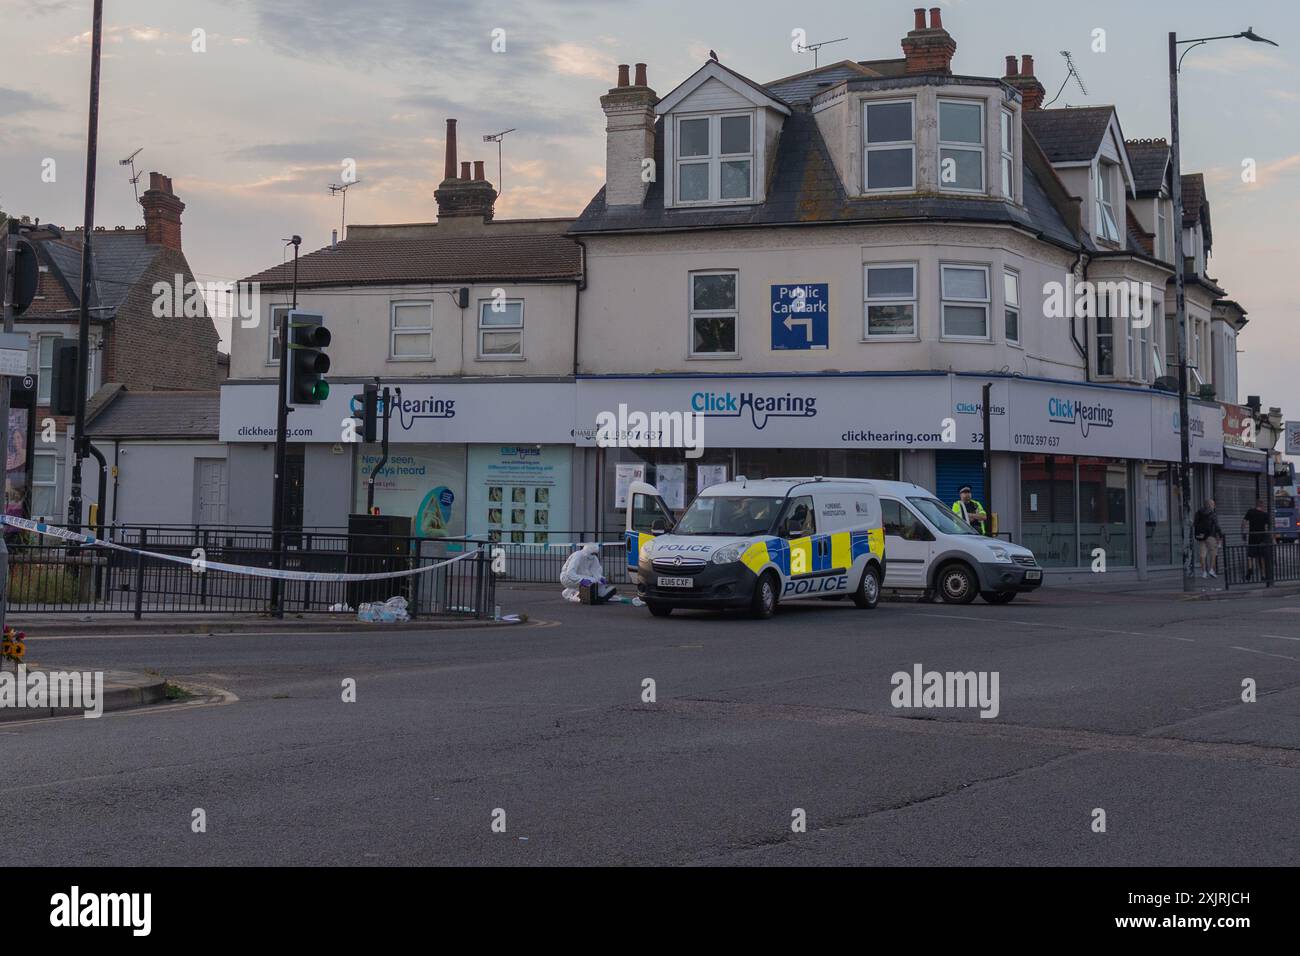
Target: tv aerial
<point>1072,71</point>
<point>135,177</point>
<point>337,189</point>
<point>814,47</point>
<point>496,138</point>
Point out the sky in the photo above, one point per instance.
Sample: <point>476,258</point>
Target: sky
<point>254,126</point>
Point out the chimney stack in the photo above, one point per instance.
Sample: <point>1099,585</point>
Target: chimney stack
<point>929,49</point>
<point>1031,91</point>
<point>466,196</point>
<point>449,170</point>
<point>629,137</point>
<point>162,213</point>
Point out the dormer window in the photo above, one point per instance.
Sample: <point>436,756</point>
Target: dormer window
<point>889,145</point>
<point>961,145</point>
<point>1162,232</point>
<point>1008,156</point>
<point>715,158</point>
<point>1107,224</point>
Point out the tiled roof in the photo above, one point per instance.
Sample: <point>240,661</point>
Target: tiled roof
<point>158,414</point>
<point>1149,159</point>
<point>1193,197</point>
<point>802,87</point>
<point>805,188</point>
<point>453,258</point>
<point>121,258</point>
<point>1069,135</point>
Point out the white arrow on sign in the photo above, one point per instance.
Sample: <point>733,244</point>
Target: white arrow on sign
<point>791,322</point>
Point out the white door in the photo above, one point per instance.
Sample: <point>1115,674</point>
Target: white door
<point>908,546</point>
<point>210,501</point>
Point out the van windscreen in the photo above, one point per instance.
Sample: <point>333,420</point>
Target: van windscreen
<point>942,518</point>
<point>729,515</point>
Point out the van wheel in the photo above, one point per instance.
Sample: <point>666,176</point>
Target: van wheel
<point>659,610</point>
<point>998,597</point>
<point>957,583</point>
<point>763,604</point>
<point>867,595</point>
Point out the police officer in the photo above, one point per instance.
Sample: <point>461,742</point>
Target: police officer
<point>969,510</point>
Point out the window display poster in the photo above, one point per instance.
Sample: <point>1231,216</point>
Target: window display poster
<point>426,482</point>
<point>624,474</point>
<point>671,482</point>
<point>706,475</point>
<point>519,493</point>
<point>18,464</point>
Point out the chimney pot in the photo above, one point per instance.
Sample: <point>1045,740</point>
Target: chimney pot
<point>919,14</point>
<point>1011,66</point>
<point>478,171</point>
<point>449,169</point>
<point>464,169</point>
<point>623,74</point>
<point>1027,65</point>
<point>162,213</point>
<point>936,18</point>
<point>640,75</point>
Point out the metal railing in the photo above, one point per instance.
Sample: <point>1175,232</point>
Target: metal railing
<point>1262,565</point>
<point>49,575</point>
<point>541,563</point>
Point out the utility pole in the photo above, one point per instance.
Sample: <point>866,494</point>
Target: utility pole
<point>281,450</point>
<point>83,325</point>
<point>7,279</point>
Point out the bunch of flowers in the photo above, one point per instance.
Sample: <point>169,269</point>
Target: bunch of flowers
<point>12,647</point>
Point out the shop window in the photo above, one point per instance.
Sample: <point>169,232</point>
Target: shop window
<point>961,146</point>
<point>890,300</point>
<point>1047,509</point>
<point>1159,504</point>
<point>501,329</point>
<point>411,330</point>
<point>889,146</point>
<point>44,485</point>
<point>965,292</point>
<point>1104,512</point>
<point>713,313</point>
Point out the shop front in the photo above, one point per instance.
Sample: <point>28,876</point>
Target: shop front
<point>483,459</point>
<point>1078,472</point>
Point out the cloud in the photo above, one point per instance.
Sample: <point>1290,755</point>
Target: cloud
<point>1242,58</point>
<point>574,59</point>
<point>13,102</point>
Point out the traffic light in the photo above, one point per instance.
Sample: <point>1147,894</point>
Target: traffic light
<point>365,408</point>
<point>27,276</point>
<point>307,362</point>
<point>63,381</point>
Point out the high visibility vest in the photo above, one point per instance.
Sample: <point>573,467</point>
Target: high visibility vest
<point>960,511</point>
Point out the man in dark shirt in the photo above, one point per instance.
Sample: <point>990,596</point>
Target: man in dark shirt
<point>1254,526</point>
<point>1209,535</point>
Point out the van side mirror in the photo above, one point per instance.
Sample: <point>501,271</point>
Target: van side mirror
<point>793,528</point>
<point>658,526</point>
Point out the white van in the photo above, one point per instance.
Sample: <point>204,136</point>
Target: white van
<point>932,550</point>
<point>753,544</point>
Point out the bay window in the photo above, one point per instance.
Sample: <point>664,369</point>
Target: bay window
<point>890,300</point>
<point>889,146</point>
<point>965,292</point>
<point>961,146</point>
<point>1011,305</point>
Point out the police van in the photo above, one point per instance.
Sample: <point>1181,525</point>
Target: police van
<point>755,544</point>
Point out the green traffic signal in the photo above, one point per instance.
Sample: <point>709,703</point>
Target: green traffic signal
<point>321,390</point>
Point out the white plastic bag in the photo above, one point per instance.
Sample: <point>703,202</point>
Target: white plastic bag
<point>389,612</point>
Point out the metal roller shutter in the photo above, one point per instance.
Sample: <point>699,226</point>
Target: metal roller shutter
<point>953,469</point>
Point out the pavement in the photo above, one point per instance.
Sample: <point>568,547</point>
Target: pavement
<point>122,690</point>
<point>1131,704</point>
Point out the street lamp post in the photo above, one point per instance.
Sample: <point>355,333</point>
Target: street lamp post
<point>1180,302</point>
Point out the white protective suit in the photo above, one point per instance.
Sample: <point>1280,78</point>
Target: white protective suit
<point>580,568</point>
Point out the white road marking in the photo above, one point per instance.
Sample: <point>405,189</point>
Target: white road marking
<point>1251,650</point>
<point>1282,637</point>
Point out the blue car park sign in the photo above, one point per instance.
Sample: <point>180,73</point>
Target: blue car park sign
<point>801,316</point>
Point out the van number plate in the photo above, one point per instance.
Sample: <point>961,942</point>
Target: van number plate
<point>676,582</point>
<point>1033,575</point>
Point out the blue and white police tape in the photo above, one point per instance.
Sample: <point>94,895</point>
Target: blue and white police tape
<point>201,564</point>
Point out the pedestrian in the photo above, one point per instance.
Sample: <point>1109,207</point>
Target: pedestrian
<point>969,510</point>
<point>1254,528</point>
<point>1208,536</point>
